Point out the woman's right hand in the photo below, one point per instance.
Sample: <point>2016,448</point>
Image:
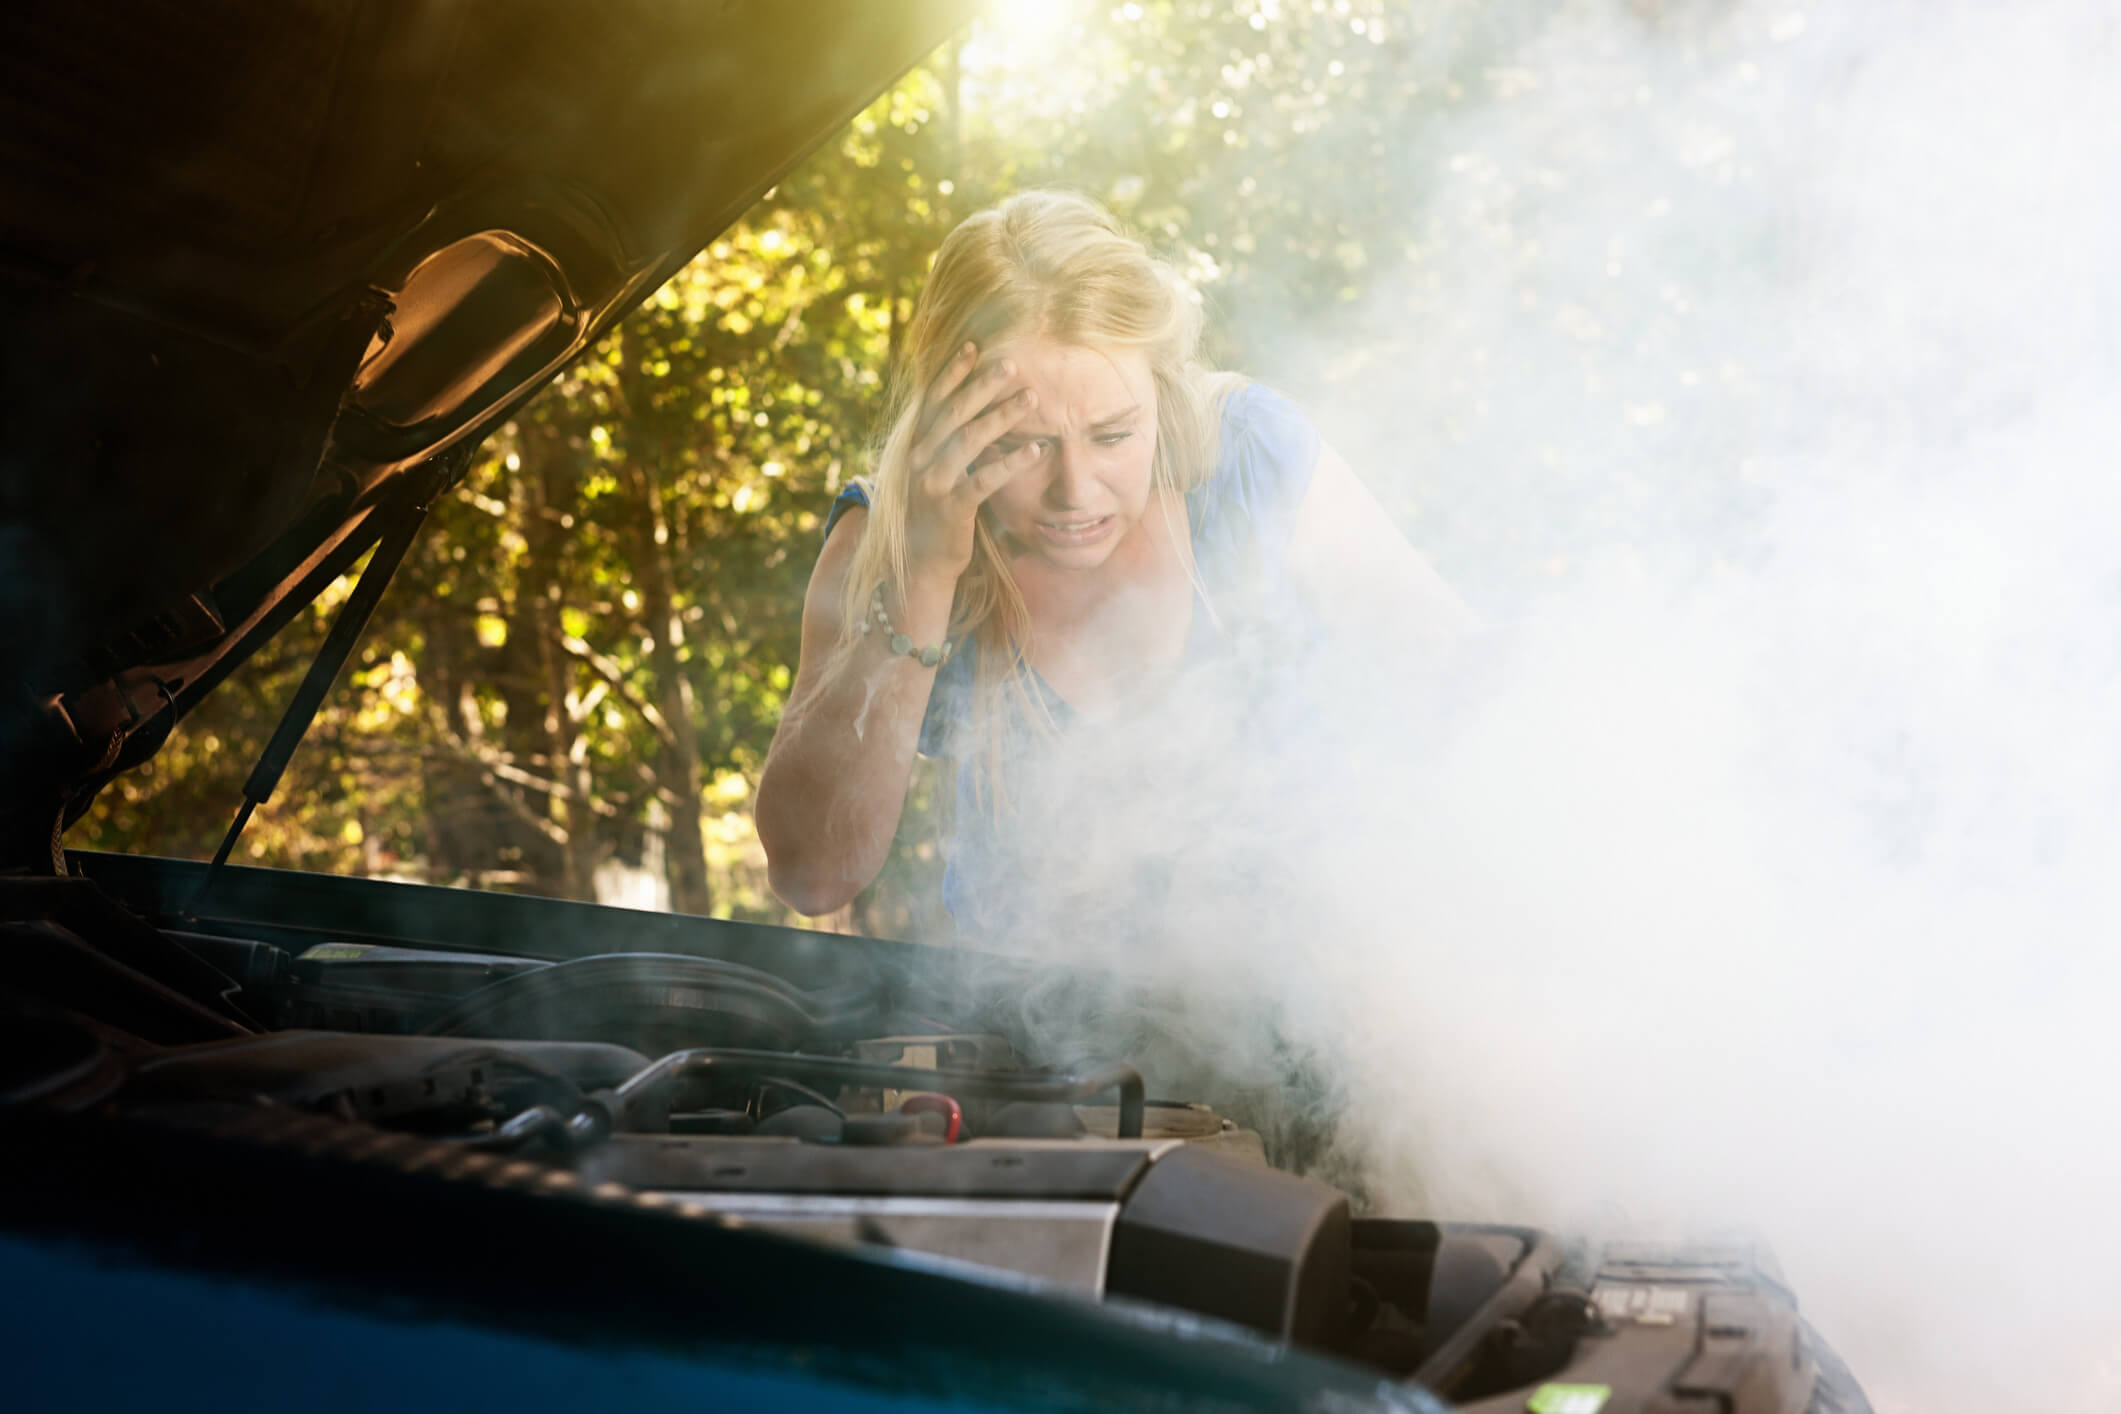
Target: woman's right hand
<point>950,472</point>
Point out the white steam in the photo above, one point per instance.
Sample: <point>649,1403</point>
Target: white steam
<point>1764,872</point>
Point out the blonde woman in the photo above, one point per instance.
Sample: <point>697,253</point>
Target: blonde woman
<point>1067,508</point>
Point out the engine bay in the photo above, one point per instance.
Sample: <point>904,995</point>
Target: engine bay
<point>860,1107</point>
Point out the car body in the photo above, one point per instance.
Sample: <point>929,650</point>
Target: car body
<point>271,1139</point>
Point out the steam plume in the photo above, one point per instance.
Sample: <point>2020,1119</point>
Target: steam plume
<point>1755,371</point>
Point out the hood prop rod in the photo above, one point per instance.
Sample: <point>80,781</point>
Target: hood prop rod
<point>399,530</point>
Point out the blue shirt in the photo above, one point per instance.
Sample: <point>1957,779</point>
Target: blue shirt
<point>1240,520</point>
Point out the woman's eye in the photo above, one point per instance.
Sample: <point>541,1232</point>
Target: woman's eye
<point>1113,439</point>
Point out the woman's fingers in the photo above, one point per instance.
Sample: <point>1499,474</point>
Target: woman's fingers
<point>984,391</point>
<point>991,473</point>
<point>955,457</point>
<point>946,381</point>
<point>954,461</point>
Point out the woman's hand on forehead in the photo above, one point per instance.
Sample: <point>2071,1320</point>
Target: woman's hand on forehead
<point>970,405</point>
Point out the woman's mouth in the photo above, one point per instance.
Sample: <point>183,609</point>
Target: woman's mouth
<point>1077,530</point>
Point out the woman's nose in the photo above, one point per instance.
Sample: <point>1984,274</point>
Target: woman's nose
<point>1070,483</point>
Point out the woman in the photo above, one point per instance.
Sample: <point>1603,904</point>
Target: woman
<point>1067,510</point>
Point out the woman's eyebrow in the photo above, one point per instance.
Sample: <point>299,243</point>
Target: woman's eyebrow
<point>1110,419</point>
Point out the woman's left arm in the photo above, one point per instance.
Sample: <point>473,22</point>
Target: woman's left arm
<point>1358,572</point>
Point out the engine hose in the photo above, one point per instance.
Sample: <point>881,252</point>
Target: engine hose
<point>570,1133</point>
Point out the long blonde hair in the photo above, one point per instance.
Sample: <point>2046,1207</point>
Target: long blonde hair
<point>1052,265</point>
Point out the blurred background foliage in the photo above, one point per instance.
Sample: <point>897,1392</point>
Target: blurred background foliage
<point>570,688</point>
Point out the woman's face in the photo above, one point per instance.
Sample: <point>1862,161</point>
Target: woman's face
<point>1092,440</point>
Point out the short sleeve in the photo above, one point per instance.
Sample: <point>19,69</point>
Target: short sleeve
<point>854,493</point>
<point>1244,515</point>
<point>946,700</point>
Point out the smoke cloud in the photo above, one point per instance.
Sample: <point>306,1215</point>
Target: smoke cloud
<point>1754,372</point>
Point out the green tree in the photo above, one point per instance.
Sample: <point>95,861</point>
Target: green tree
<point>572,687</point>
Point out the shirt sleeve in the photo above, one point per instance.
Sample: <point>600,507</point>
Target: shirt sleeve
<point>1245,514</point>
<point>1269,451</point>
<point>854,493</point>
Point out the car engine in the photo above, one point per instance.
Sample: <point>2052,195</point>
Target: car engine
<point>856,1113</point>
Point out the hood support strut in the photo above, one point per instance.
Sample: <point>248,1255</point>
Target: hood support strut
<point>401,525</point>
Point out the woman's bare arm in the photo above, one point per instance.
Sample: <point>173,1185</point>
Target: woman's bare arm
<point>1360,574</point>
<point>836,774</point>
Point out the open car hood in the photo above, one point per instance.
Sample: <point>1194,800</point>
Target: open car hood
<point>274,267</point>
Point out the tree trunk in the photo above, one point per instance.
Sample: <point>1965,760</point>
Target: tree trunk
<point>681,774</point>
<point>535,631</point>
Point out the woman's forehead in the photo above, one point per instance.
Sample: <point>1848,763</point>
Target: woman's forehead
<point>1079,384</point>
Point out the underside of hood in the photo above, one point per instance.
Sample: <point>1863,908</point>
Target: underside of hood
<point>274,267</point>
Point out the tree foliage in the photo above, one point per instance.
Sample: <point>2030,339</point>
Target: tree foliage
<point>571,687</point>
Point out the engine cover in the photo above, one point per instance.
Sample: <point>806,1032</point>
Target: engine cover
<point>1156,1219</point>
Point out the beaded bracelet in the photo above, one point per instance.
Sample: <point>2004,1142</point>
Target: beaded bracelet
<point>932,656</point>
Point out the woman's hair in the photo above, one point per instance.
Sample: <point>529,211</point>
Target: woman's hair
<point>1042,264</point>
